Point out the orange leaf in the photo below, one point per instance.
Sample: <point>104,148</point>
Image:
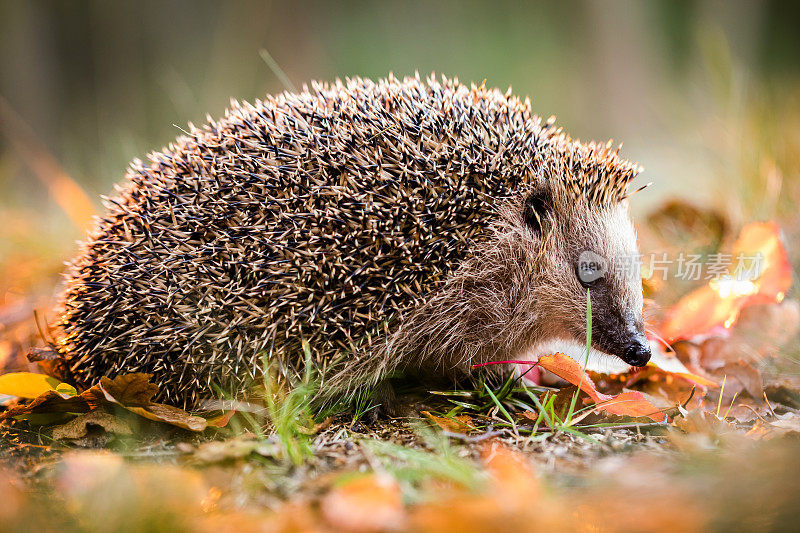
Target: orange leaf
<point>222,420</point>
<point>669,364</point>
<point>568,369</point>
<point>456,424</point>
<point>512,476</point>
<point>718,303</point>
<point>694,378</point>
<point>776,273</point>
<point>632,403</point>
<point>628,403</point>
<point>366,503</point>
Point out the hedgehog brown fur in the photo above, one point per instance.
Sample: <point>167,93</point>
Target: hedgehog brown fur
<point>331,216</point>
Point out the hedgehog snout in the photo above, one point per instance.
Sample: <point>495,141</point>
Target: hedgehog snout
<point>637,353</point>
<point>623,337</point>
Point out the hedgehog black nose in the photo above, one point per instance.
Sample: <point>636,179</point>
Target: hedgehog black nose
<point>637,354</point>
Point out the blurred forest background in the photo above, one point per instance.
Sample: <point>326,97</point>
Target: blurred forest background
<point>706,95</point>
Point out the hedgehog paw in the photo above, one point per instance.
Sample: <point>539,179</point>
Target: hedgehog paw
<point>384,401</point>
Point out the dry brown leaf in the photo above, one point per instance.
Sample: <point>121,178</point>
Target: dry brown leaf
<point>79,428</point>
<point>782,425</point>
<point>51,402</point>
<point>233,449</point>
<point>134,391</point>
<point>51,362</point>
<point>704,422</point>
<point>131,390</point>
<point>746,410</point>
<point>747,376</point>
<point>173,416</point>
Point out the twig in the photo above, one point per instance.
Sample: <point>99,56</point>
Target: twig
<point>470,438</point>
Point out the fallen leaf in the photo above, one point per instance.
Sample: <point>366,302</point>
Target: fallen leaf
<point>770,325</point>
<point>455,424</point>
<point>748,377</point>
<point>782,425</point>
<point>222,420</point>
<point>695,378</point>
<point>30,385</point>
<point>760,430</point>
<point>512,476</point>
<point>49,403</point>
<point>690,227</point>
<point>670,364</point>
<point>787,422</point>
<point>512,501</point>
<point>630,403</point>
<point>704,422</point>
<point>783,393</point>
<point>132,390</point>
<point>699,312</point>
<point>233,449</point>
<point>173,416</point>
<point>79,427</point>
<point>366,503</point>
<point>717,304</point>
<point>134,393</point>
<point>50,361</point>
<point>776,277</point>
<point>746,410</point>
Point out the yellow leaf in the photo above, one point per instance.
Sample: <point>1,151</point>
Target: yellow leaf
<point>28,384</point>
<point>66,388</point>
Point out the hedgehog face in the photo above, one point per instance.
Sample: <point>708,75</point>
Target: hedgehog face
<point>583,247</point>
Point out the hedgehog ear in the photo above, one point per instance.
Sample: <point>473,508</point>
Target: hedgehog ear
<point>536,206</point>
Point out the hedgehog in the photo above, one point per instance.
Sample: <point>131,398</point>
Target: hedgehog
<point>372,229</point>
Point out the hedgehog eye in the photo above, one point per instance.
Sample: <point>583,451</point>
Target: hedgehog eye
<point>534,209</point>
<point>589,278</point>
<point>590,269</point>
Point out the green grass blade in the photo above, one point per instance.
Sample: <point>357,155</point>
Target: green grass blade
<point>586,361</point>
<point>500,407</point>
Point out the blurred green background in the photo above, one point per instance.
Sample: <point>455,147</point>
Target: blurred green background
<point>704,94</point>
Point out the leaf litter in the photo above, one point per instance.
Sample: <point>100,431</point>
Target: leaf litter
<point>608,451</point>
